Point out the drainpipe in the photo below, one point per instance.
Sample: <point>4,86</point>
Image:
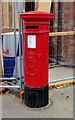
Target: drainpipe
<point>58,30</point>
<point>30,5</point>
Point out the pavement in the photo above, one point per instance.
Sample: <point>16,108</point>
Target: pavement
<point>60,106</point>
<point>61,72</point>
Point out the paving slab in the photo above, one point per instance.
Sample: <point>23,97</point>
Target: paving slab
<point>61,72</point>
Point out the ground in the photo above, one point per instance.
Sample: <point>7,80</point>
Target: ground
<point>61,106</point>
<point>61,101</point>
<point>61,72</point>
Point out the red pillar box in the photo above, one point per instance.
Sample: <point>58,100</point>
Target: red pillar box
<point>36,51</point>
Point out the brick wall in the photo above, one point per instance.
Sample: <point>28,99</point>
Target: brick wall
<point>68,44</point>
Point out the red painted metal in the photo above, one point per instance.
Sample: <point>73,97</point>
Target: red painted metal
<point>36,47</point>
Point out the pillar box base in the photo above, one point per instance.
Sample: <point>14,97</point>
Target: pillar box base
<point>36,97</point>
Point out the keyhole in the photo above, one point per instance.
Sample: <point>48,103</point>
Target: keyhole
<point>40,56</point>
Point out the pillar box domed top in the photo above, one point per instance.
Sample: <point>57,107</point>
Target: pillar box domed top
<point>36,15</point>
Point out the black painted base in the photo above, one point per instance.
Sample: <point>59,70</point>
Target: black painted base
<point>36,97</point>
